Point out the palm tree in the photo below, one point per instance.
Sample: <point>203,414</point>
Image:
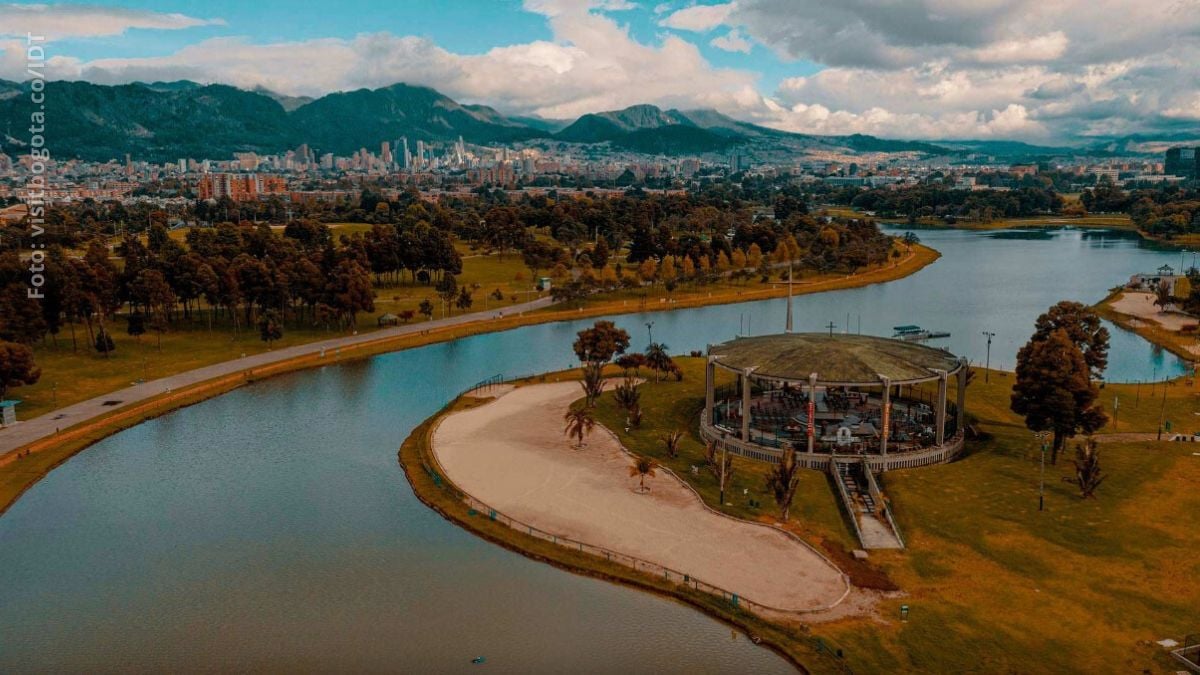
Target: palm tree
<point>635,416</point>
<point>782,481</point>
<point>593,383</point>
<point>658,358</point>
<point>642,468</point>
<point>627,394</point>
<point>1087,468</point>
<point>580,423</point>
<point>672,440</point>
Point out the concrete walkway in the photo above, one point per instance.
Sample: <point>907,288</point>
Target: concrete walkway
<point>28,431</point>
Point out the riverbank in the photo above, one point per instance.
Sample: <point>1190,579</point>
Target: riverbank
<point>34,447</point>
<point>1117,308</point>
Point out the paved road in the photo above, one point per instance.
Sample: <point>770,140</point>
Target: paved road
<point>28,431</point>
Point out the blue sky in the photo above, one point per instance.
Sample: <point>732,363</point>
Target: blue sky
<point>1031,70</point>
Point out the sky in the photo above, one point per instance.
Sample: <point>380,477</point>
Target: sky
<point>1044,71</point>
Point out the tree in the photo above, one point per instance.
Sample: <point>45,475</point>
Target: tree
<point>270,328</point>
<point>580,423</point>
<point>593,383</point>
<point>601,342</point>
<point>104,342</point>
<point>17,367</point>
<point>1087,468</point>
<point>721,466</point>
<point>1084,329</point>
<point>658,359</point>
<point>136,325</point>
<point>782,481</point>
<point>1162,295</point>
<point>426,308</point>
<point>626,393</point>
<point>447,289</point>
<point>672,440</point>
<point>464,300</point>
<point>642,467</point>
<point>1054,391</point>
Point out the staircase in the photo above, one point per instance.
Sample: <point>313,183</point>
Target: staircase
<point>858,492</point>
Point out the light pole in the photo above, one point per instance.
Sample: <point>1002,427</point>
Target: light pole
<point>1041,436</point>
<point>987,364</point>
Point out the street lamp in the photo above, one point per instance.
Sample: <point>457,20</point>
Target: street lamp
<point>988,363</point>
<point>1042,436</point>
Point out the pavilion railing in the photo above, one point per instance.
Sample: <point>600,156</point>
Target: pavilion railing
<point>771,450</point>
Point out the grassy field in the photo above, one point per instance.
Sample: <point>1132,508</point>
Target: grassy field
<point>994,585</point>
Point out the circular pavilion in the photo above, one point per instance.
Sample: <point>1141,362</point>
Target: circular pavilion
<point>882,400</point>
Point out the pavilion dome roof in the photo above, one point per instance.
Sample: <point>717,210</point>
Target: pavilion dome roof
<point>836,359</point>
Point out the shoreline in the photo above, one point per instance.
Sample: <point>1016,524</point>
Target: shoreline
<point>1147,330</point>
<point>23,466</point>
<point>435,490</point>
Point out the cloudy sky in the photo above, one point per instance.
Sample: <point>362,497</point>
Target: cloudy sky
<point>1050,71</point>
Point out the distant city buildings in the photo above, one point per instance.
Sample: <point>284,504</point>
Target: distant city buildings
<point>240,187</point>
<point>1183,162</point>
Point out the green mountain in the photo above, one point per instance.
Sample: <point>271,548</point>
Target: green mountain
<point>162,121</point>
<point>343,122</point>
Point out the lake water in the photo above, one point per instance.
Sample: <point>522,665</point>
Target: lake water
<point>271,528</point>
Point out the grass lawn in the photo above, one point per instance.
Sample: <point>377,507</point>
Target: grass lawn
<point>994,585</point>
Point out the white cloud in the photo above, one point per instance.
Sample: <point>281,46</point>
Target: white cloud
<point>699,18</point>
<point>64,21</point>
<point>733,41</point>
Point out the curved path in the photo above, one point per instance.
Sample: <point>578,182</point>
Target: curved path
<point>37,428</point>
<point>511,453</point>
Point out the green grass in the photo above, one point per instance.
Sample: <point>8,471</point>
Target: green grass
<point>993,584</point>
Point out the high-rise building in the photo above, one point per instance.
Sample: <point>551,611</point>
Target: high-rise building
<point>385,153</point>
<point>1183,162</point>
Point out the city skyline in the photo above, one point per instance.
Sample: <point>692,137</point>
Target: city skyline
<point>1070,73</point>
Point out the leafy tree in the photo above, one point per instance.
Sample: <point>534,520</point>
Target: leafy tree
<point>104,342</point>
<point>642,467</point>
<point>721,469</point>
<point>464,300</point>
<point>601,342</point>
<point>1054,391</point>
<point>270,327</point>
<point>426,308</point>
<point>1083,328</point>
<point>17,367</point>
<point>135,325</point>
<point>580,422</point>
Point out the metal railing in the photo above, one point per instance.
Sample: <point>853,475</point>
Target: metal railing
<point>851,509</point>
<point>877,495</point>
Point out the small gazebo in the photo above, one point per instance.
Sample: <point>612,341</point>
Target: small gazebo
<point>828,394</point>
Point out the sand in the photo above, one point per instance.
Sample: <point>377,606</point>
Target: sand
<point>1141,305</point>
<point>511,454</point>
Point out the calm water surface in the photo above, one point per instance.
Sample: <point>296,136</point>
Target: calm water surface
<point>272,528</point>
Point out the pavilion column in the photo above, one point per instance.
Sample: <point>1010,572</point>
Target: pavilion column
<point>962,396</point>
<point>710,386</point>
<point>812,411</point>
<point>941,407</point>
<point>884,417</point>
<point>746,405</point>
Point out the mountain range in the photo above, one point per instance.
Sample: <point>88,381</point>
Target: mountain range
<point>163,121</point>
